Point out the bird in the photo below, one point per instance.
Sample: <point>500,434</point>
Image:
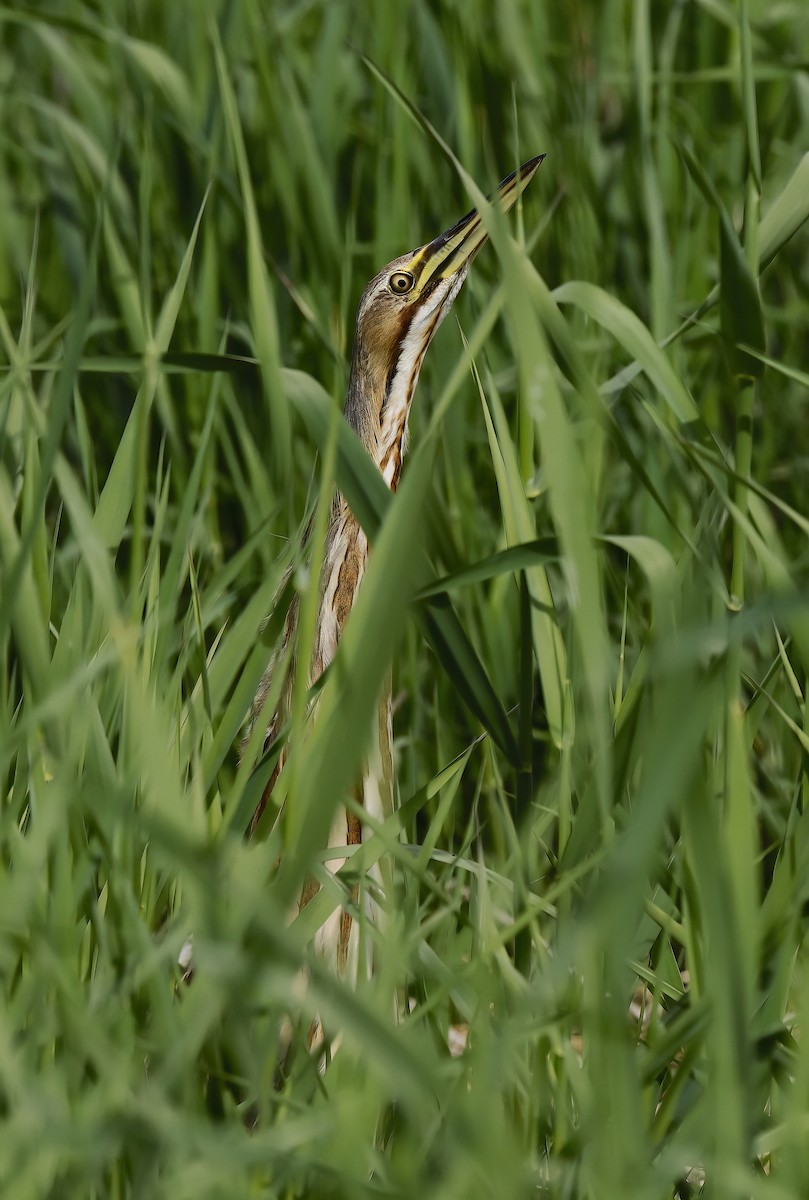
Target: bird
<point>399,312</point>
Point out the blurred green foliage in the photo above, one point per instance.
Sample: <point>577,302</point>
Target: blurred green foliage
<point>610,918</point>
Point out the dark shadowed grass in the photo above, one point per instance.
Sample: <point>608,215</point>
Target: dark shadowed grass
<point>592,586</point>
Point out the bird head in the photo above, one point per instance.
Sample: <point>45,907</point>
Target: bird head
<point>400,310</point>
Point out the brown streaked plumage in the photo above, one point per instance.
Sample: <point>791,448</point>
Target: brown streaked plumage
<point>399,313</point>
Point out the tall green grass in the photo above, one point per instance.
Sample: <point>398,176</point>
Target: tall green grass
<point>592,586</point>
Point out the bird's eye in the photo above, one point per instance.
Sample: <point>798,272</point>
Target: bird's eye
<point>401,282</point>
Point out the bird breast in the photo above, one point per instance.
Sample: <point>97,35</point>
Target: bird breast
<point>343,568</point>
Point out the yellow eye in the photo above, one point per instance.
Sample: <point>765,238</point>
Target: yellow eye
<point>401,282</point>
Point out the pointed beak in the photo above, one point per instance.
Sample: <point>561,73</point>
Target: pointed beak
<point>456,248</point>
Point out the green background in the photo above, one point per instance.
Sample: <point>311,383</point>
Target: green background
<point>599,633</point>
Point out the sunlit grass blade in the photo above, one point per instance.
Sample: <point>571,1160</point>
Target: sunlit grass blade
<point>262,304</point>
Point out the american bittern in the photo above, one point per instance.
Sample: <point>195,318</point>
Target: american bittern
<point>400,310</point>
